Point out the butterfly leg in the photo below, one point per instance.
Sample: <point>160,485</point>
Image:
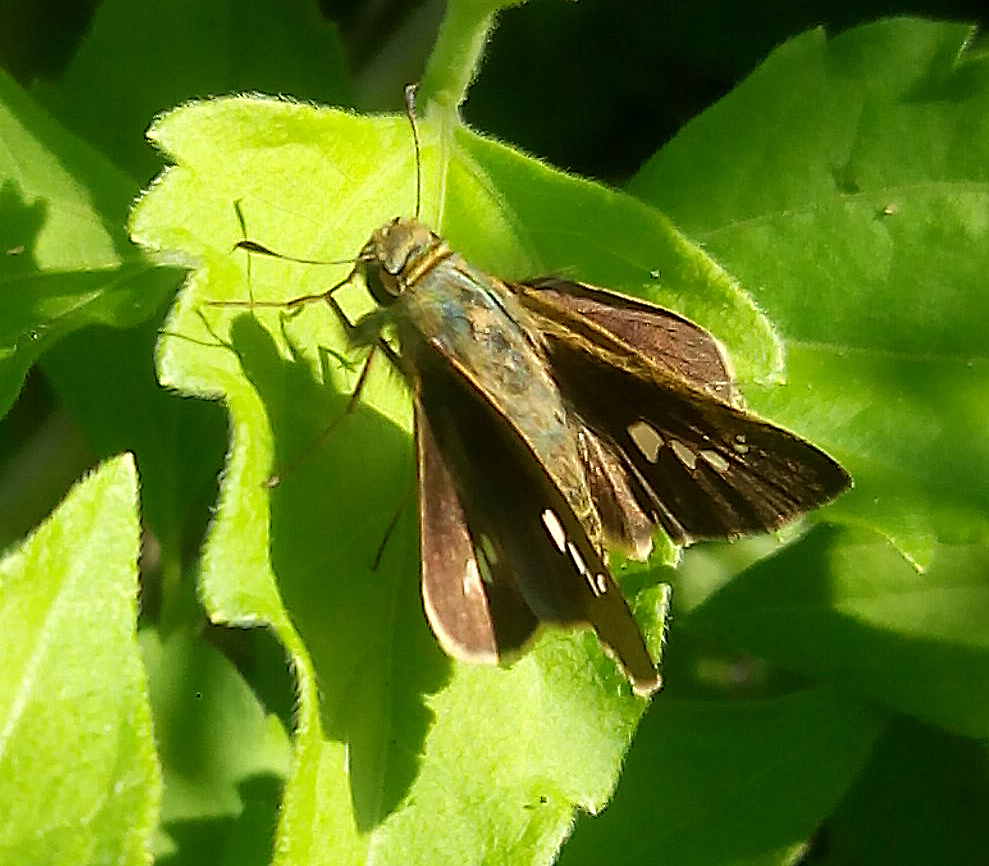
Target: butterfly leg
<point>275,478</point>
<point>380,552</point>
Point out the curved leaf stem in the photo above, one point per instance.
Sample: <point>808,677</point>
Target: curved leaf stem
<point>456,55</point>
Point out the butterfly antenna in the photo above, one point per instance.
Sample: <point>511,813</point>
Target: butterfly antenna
<point>243,240</point>
<point>410,113</point>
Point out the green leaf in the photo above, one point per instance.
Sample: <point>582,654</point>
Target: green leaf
<point>223,757</point>
<point>65,260</point>
<point>420,735</point>
<point>178,444</point>
<point>182,49</point>
<point>714,782</point>
<point>78,778</point>
<point>844,183</point>
<point>401,753</point>
<point>844,606</point>
<point>922,798</point>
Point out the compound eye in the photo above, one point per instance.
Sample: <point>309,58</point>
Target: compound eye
<point>383,286</point>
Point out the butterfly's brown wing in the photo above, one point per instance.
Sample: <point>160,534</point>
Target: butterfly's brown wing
<point>690,460</point>
<point>668,339</point>
<point>473,619</point>
<point>489,509</point>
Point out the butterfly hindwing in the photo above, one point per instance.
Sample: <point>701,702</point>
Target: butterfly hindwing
<point>473,619</point>
<point>697,466</point>
<point>668,339</point>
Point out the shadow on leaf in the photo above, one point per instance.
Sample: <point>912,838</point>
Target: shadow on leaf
<point>374,657</point>
<point>245,839</point>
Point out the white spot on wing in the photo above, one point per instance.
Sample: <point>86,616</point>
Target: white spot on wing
<point>714,460</point>
<point>594,582</point>
<point>684,454</point>
<point>646,439</point>
<point>597,583</point>
<point>577,559</point>
<point>740,445</point>
<point>472,579</point>
<point>555,529</point>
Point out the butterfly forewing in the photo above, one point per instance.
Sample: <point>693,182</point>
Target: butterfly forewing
<point>527,543</point>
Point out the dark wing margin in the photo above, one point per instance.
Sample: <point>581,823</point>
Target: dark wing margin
<point>502,549</point>
<point>698,466</point>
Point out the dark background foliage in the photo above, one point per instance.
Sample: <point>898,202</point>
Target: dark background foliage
<point>626,74</point>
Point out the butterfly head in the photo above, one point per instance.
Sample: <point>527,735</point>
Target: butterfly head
<point>391,260</point>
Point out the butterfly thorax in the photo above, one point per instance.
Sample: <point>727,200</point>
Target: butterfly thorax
<point>397,255</point>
